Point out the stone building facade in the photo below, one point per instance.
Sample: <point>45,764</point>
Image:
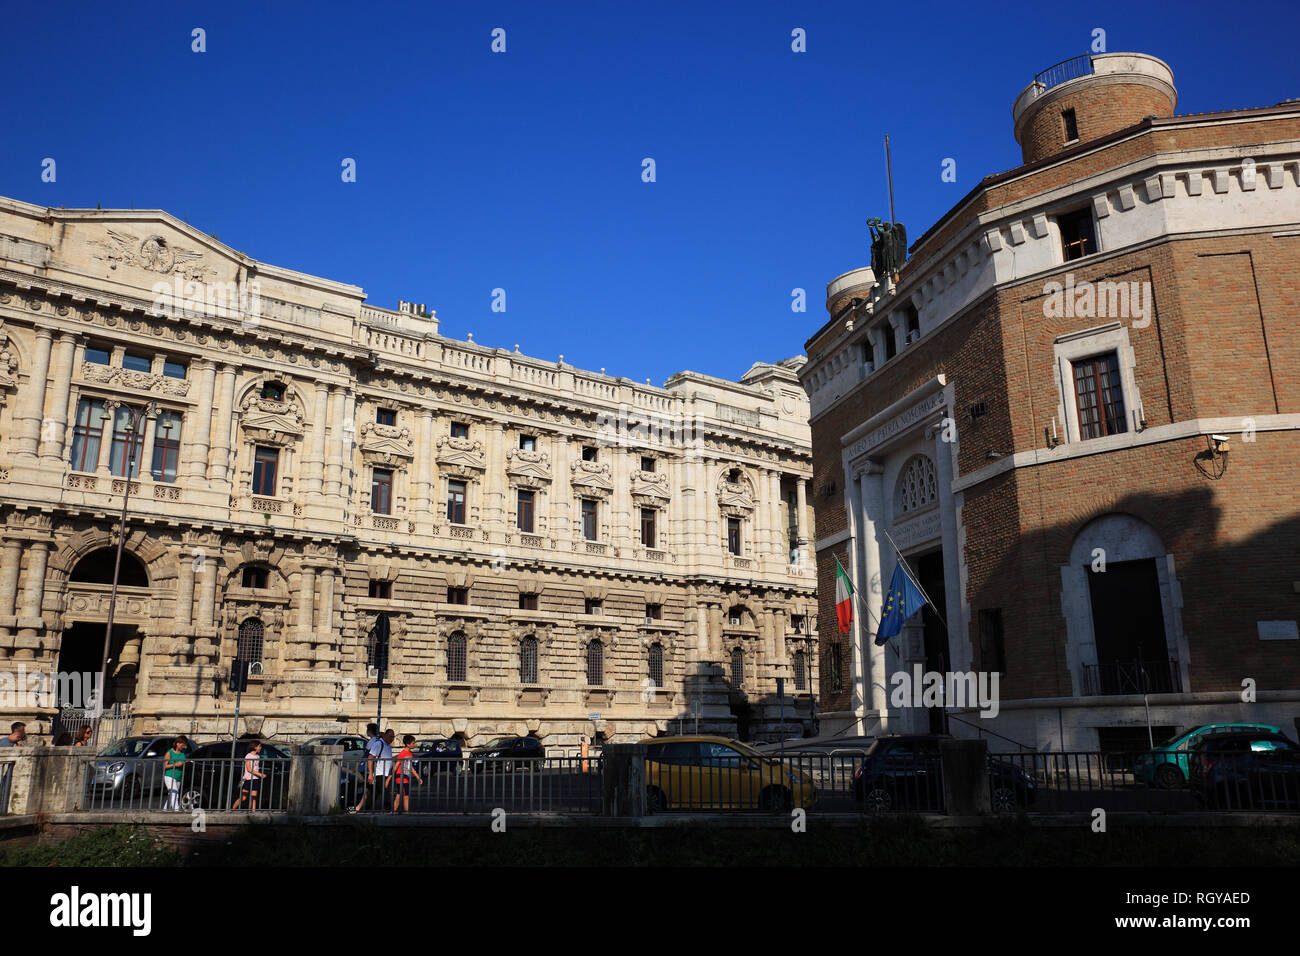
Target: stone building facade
<point>554,551</point>
<point>1076,411</point>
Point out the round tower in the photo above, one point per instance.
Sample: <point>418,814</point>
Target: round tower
<point>1089,96</point>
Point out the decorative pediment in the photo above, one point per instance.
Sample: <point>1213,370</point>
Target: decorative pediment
<point>270,422</point>
<point>113,375</point>
<point>528,469</point>
<point>153,253</point>
<point>382,444</point>
<point>650,489</point>
<point>462,457</point>
<point>735,499</point>
<point>591,479</point>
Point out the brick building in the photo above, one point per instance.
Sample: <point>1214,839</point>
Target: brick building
<point>556,552</point>
<point>1027,410</point>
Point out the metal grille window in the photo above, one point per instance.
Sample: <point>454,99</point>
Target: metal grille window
<point>381,492</point>
<point>86,434</point>
<point>249,645</point>
<point>528,660</point>
<point>918,484</point>
<point>526,511</point>
<point>800,670</point>
<point>456,502</point>
<point>595,664</point>
<point>737,667</point>
<point>166,446</point>
<point>128,443</point>
<point>1099,396</point>
<point>266,462</point>
<point>457,668</point>
<point>657,665</point>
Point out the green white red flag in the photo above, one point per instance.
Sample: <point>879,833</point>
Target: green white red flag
<point>843,599</point>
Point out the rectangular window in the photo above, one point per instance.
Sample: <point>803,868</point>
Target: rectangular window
<point>459,430</point>
<point>1071,126</point>
<point>528,443</point>
<point>273,391</point>
<point>457,595</point>
<point>96,355</point>
<point>86,434</point>
<point>381,492</point>
<point>836,661</point>
<point>868,354</point>
<point>136,363</point>
<point>588,452</point>
<point>174,369</point>
<point>796,623</point>
<point>1077,236</point>
<point>648,527</point>
<point>166,446</point>
<point>525,508</point>
<point>128,443</point>
<point>913,326</point>
<point>589,519</point>
<point>255,578</point>
<point>654,612</point>
<point>1099,397</point>
<point>456,502</point>
<point>733,535</point>
<point>266,462</point>
<point>891,344</point>
<point>528,602</point>
<point>385,416</point>
<point>381,589</point>
<point>992,652</point>
<point>593,606</point>
<point>647,463</point>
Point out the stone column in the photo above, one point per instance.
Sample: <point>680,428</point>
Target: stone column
<point>11,561</point>
<point>196,446</point>
<point>184,615</point>
<point>313,475</point>
<point>421,498</point>
<point>870,513</point>
<point>219,469</point>
<point>801,515</point>
<point>54,425</point>
<point>780,554</point>
<point>960,655</point>
<point>494,507</point>
<point>30,622</point>
<point>325,626</point>
<point>32,407</point>
<point>334,452</point>
<point>348,447</point>
<point>207,595</point>
<point>307,599</point>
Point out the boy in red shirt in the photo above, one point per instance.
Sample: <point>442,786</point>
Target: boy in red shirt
<point>402,774</point>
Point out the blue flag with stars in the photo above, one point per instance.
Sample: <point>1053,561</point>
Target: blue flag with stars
<point>904,600</point>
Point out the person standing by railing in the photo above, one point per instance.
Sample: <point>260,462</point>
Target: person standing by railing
<point>252,778</point>
<point>173,770</point>
<point>373,747</point>
<point>402,774</point>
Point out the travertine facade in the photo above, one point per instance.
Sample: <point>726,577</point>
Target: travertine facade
<point>553,548</point>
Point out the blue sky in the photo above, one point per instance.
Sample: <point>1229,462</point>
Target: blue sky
<point>523,170</point>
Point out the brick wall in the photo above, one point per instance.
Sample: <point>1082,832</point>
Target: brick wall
<point>1098,110</point>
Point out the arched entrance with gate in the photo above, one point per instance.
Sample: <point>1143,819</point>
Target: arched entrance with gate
<point>86,608</point>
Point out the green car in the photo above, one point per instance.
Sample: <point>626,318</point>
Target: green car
<point>1166,766</point>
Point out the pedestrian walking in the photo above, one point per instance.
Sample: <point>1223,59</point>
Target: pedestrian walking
<point>17,734</point>
<point>402,775</point>
<point>252,778</point>
<point>383,770</point>
<point>373,747</point>
<point>174,770</point>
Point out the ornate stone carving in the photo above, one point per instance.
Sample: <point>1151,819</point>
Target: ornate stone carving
<point>270,422</point>
<point>528,469</point>
<point>129,378</point>
<point>461,457</point>
<point>650,488</point>
<point>591,479</point>
<point>736,498</point>
<point>381,444</point>
<point>153,253</point>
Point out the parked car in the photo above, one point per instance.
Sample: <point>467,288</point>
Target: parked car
<point>131,767</point>
<point>903,771</point>
<point>1167,766</point>
<point>351,743</point>
<point>507,754</point>
<point>1247,771</point>
<point>708,773</point>
<point>439,756</point>
<point>211,780</point>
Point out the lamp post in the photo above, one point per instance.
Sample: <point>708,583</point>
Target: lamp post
<point>131,428</point>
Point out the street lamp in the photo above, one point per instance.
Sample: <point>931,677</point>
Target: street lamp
<point>131,428</point>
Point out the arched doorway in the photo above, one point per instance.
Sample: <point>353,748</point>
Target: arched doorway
<point>81,646</point>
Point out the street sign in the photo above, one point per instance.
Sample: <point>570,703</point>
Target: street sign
<point>593,716</point>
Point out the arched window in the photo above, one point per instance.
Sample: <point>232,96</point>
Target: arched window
<point>737,667</point>
<point>249,646</point>
<point>457,670</point>
<point>97,568</point>
<point>528,660</point>
<point>799,670</point>
<point>918,485</point>
<point>657,665</point>
<point>595,664</point>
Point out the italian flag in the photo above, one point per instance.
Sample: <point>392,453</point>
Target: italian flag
<point>843,599</point>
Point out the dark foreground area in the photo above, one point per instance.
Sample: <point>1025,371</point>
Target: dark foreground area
<point>896,842</point>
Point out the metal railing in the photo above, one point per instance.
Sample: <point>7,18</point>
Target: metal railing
<point>207,783</point>
<point>1132,677</point>
<point>115,725</point>
<point>1070,69</point>
<point>548,785</point>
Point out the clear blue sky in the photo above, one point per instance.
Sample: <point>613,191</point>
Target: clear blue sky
<point>523,170</point>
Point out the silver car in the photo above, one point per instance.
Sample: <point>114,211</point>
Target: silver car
<point>131,767</point>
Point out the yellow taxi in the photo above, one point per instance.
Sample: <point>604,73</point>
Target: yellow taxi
<point>715,773</point>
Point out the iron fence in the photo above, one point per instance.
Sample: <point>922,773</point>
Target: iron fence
<point>1132,677</point>
<point>543,785</point>
<point>1070,69</point>
<point>114,726</point>
<point>207,783</point>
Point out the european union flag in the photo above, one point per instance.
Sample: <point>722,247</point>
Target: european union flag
<point>904,600</point>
